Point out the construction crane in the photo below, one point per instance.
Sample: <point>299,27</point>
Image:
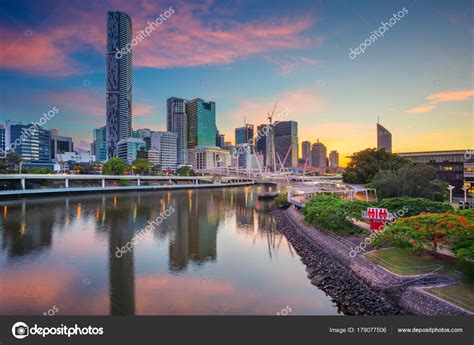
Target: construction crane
<point>271,149</point>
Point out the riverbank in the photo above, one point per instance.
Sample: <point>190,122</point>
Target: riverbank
<point>8,194</point>
<point>357,285</point>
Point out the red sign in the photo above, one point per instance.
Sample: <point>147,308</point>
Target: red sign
<point>377,216</point>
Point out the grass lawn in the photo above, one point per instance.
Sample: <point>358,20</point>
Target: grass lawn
<point>460,294</point>
<point>402,261</point>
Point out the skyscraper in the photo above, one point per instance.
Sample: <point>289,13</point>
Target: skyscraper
<point>243,134</point>
<point>33,145</point>
<point>286,143</point>
<point>201,127</point>
<point>220,139</point>
<point>177,122</point>
<point>384,138</point>
<point>2,141</point>
<point>127,149</point>
<point>261,141</point>
<point>306,151</point>
<point>334,159</point>
<point>166,144</point>
<point>60,145</point>
<point>318,155</point>
<point>119,81</point>
<point>99,145</point>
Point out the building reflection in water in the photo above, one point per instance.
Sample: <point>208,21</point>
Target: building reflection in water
<point>195,235</point>
<point>27,228</point>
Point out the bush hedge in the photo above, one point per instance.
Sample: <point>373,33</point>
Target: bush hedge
<point>414,206</point>
<point>331,213</point>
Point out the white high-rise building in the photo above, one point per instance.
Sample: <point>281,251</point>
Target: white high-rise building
<point>166,143</point>
<point>177,122</point>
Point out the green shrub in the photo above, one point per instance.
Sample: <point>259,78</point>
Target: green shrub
<point>282,200</point>
<point>469,213</point>
<point>124,183</point>
<point>37,170</point>
<point>413,206</point>
<point>331,213</point>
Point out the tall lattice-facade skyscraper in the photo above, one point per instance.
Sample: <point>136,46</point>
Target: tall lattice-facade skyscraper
<point>119,80</point>
<point>177,122</point>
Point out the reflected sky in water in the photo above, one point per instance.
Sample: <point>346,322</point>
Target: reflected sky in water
<point>219,252</point>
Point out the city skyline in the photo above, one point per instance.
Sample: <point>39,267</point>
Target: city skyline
<point>300,59</point>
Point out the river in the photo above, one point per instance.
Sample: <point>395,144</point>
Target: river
<point>209,252</point>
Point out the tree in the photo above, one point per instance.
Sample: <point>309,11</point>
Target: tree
<point>141,166</point>
<point>364,165</point>
<point>432,230</point>
<point>410,180</point>
<point>115,166</point>
<point>37,170</point>
<point>10,163</point>
<point>78,169</point>
<point>186,171</point>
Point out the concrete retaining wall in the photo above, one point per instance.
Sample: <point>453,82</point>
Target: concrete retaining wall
<point>403,290</point>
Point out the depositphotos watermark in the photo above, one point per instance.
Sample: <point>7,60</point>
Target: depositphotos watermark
<point>143,232</point>
<point>35,125</point>
<point>468,154</point>
<point>142,34</point>
<point>374,35</point>
<point>21,330</point>
<point>262,132</point>
<point>374,234</point>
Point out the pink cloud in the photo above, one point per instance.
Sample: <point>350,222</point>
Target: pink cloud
<point>83,102</point>
<point>36,54</point>
<point>442,97</point>
<point>185,39</point>
<point>421,109</point>
<point>142,109</point>
<point>302,106</point>
<point>88,102</point>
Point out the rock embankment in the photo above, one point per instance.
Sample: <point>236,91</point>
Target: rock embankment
<point>357,285</point>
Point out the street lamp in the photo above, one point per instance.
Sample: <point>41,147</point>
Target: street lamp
<point>465,189</point>
<point>450,193</point>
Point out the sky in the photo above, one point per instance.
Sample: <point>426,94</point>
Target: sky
<point>245,55</point>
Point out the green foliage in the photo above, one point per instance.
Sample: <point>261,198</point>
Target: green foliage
<point>433,230</point>
<point>141,166</point>
<point>463,246</point>
<point>364,165</point>
<point>13,158</point>
<point>10,164</point>
<point>331,213</point>
<point>410,180</point>
<point>282,200</point>
<point>124,183</point>
<point>115,166</point>
<point>469,213</point>
<point>37,170</point>
<point>413,206</point>
<point>186,171</point>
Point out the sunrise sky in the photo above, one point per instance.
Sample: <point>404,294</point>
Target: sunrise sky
<point>245,55</point>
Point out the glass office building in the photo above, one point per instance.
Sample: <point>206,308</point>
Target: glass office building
<point>202,128</point>
<point>32,145</point>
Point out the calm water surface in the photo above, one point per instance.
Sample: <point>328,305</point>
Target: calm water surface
<point>219,252</point>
